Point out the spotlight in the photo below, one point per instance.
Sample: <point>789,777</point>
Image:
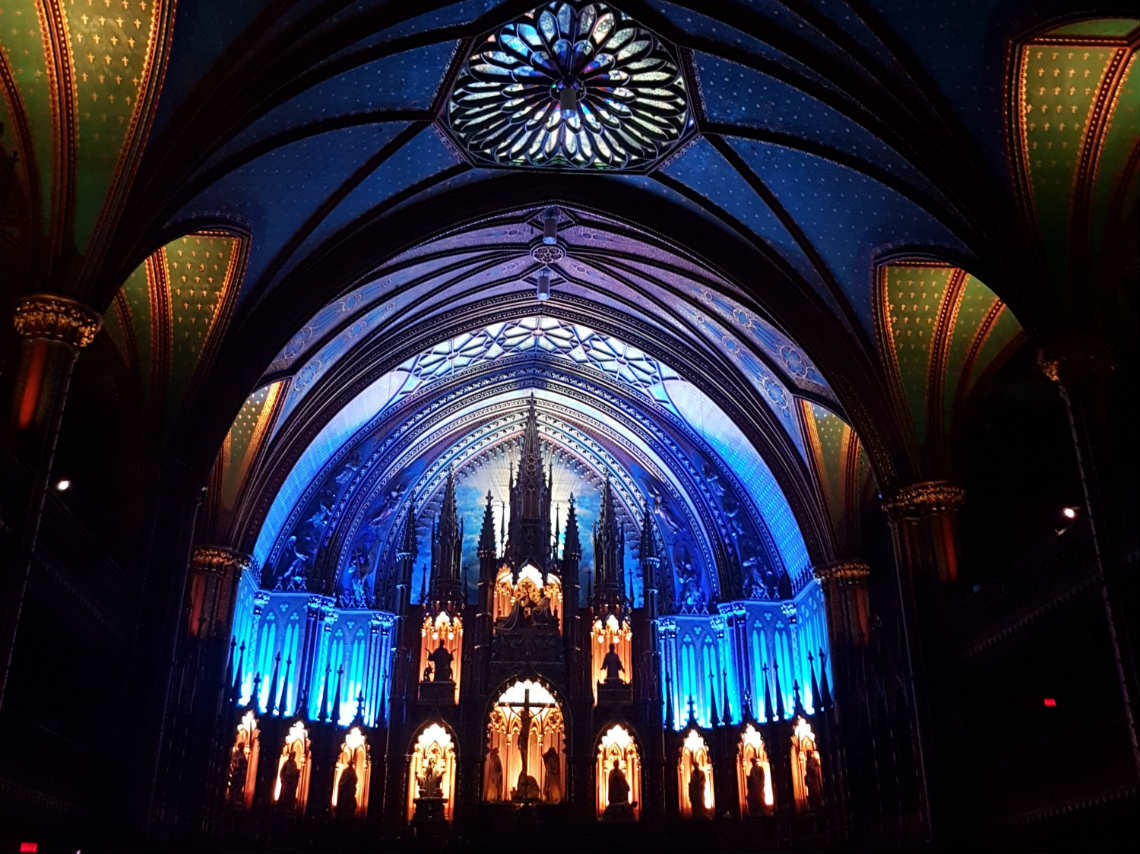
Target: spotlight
<point>1069,513</point>
<point>62,485</point>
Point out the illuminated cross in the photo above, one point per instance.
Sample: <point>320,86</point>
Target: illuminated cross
<point>523,709</point>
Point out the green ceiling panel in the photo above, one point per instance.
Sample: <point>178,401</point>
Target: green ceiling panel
<point>109,48</point>
<point>23,48</point>
<point>1098,27</point>
<point>242,440</point>
<point>976,302</point>
<point>1119,141</point>
<point>912,296</point>
<point>1060,86</point>
<point>1004,331</point>
<point>198,269</point>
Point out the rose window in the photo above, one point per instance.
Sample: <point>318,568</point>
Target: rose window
<point>570,85</point>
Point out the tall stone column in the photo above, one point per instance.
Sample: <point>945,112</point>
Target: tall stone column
<point>214,575</point>
<point>846,600</point>
<point>924,530</point>
<point>53,330</point>
<point>1083,372</point>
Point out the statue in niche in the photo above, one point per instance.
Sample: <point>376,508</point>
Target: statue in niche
<point>295,578</point>
<point>697,792</point>
<point>813,779</point>
<point>688,588</point>
<point>712,480</point>
<point>239,767</point>
<point>290,777</point>
<point>351,465</point>
<point>318,519</point>
<point>431,780</point>
<point>493,782</point>
<point>385,510</point>
<point>356,581</point>
<point>757,780</point>
<point>442,659</point>
<point>552,785</point>
<point>618,807</point>
<point>427,673</point>
<point>665,518</point>
<point>346,793</point>
<point>612,665</point>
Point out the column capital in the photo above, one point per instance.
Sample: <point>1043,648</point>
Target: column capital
<point>219,560</point>
<point>1076,361</point>
<point>56,318</point>
<point>852,571</point>
<point>925,498</point>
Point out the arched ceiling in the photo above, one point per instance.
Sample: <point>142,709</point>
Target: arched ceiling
<point>798,208</point>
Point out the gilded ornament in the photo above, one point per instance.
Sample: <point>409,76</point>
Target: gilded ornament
<point>844,573</point>
<point>56,318</point>
<point>1077,362</point>
<point>219,560</point>
<point>925,497</point>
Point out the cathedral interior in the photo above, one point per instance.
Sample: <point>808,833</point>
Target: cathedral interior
<point>518,425</point>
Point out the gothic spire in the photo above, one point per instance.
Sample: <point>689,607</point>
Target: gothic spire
<point>447,546</point>
<point>409,546</point>
<point>609,546</point>
<point>571,545</point>
<point>529,537</point>
<point>487,534</point>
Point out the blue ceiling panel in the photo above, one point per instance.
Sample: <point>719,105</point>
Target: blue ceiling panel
<point>424,155</point>
<point>704,169</point>
<point>850,219</point>
<point>273,195</point>
<point>738,95</point>
<point>403,81</point>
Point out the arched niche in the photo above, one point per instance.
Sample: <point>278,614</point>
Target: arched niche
<point>807,770</point>
<point>617,775</point>
<point>446,630</point>
<point>754,774</point>
<point>241,775</point>
<point>351,776</point>
<point>530,594</point>
<point>695,791</point>
<point>294,766</point>
<point>431,774</point>
<point>526,746</point>
<point>611,629</point>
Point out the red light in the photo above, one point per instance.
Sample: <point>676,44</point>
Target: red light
<point>29,847</point>
<point>1050,703</point>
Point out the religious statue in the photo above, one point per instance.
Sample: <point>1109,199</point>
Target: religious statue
<point>431,781</point>
<point>813,779</point>
<point>618,807</point>
<point>688,587</point>
<point>427,673</point>
<point>290,776</point>
<point>613,666</point>
<point>757,780</point>
<point>441,658</point>
<point>552,785</point>
<point>493,781</point>
<point>294,579</point>
<point>697,792</point>
<point>526,788</point>
<point>346,793</point>
<point>239,767</point>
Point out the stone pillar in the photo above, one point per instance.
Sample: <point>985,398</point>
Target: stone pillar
<point>924,530</point>
<point>1082,371</point>
<point>52,331</point>
<point>214,575</point>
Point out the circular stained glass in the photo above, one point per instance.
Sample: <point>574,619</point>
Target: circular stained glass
<point>570,85</point>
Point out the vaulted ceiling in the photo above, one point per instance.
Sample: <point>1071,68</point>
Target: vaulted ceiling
<point>830,218</point>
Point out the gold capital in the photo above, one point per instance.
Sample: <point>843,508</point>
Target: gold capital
<point>924,498</point>
<point>1076,361</point>
<point>843,572</point>
<point>219,560</point>
<point>56,318</point>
